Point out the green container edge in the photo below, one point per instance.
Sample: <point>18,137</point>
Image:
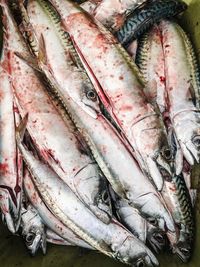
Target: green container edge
<point>12,249</point>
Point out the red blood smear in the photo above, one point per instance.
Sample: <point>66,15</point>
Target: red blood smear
<point>162,79</point>
<point>3,168</point>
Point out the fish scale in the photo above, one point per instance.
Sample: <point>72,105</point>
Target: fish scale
<point>142,19</point>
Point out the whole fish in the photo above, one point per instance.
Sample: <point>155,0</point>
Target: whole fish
<point>57,140</point>
<point>152,62</point>
<point>123,88</point>
<point>33,230</point>
<point>143,18</point>
<point>47,217</point>
<point>10,159</point>
<point>111,239</point>
<point>184,111</point>
<point>105,144</point>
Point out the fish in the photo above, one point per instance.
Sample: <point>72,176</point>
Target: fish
<point>33,230</point>
<point>50,221</point>
<point>10,159</point>
<point>138,225</point>
<point>111,239</point>
<point>61,147</point>
<point>184,110</point>
<point>107,149</point>
<point>142,19</point>
<point>151,59</point>
<point>122,84</point>
<point>60,61</point>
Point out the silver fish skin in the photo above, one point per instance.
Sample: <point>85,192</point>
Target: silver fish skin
<point>138,225</point>
<point>33,230</point>
<point>112,13</point>
<point>111,239</point>
<point>47,217</point>
<point>108,149</point>
<point>53,238</point>
<point>122,85</point>
<point>60,61</point>
<point>10,160</point>
<point>57,140</point>
<point>152,62</point>
<point>184,111</point>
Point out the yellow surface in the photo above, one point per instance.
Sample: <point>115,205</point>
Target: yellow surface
<point>13,252</point>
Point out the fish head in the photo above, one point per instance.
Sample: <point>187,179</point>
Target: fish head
<point>183,247</point>
<point>156,238</point>
<point>135,253</point>
<point>189,138</point>
<point>89,100</point>
<point>33,232</point>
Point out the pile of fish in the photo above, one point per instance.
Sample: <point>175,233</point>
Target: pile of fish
<point>100,126</point>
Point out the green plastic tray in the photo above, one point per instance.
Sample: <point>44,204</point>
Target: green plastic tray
<point>12,249</point>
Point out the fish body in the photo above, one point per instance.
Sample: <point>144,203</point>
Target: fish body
<point>111,239</point>
<point>56,139</point>
<point>151,60</point>
<point>184,112</point>
<point>143,18</point>
<point>10,163</point>
<point>112,13</point>
<point>47,217</point>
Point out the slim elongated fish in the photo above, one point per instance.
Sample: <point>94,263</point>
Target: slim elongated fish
<point>47,217</point>
<point>10,163</point>
<point>57,140</point>
<point>105,144</point>
<point>111,239</point>
<point>123,88</point>
<point>184,110</point>
<point>152,62</point>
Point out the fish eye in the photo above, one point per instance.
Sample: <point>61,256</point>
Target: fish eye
<point>159,238</point>
<point>105,196</point>
<point>196,141</point>
<point>166,153</point>
<point>30,237</point>
<point>153,221</point>
<point>91,95</point>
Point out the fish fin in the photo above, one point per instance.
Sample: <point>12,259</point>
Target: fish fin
<point>42,55</point>
<point>20,130</point>
<point>29,60</point>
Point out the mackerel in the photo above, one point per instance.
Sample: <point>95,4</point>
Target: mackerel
<point>10,159</point>
<point>47,217</point>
